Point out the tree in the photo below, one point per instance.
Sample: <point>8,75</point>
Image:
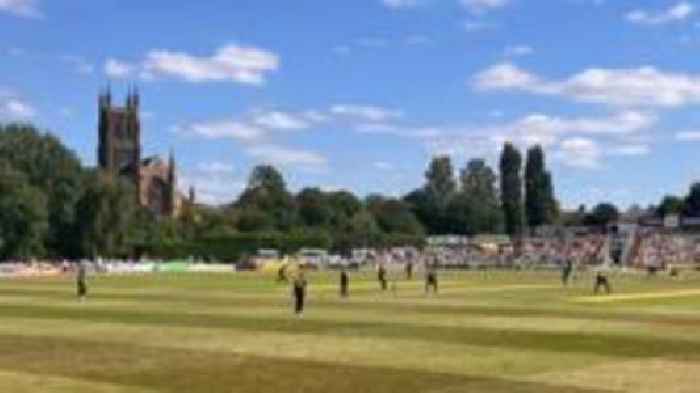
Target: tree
<point>440,182</point>
<point>511,189</point>
<point>314,209</point>
<point>209,221</point>
<point>23,216</point>
<point>343,206</point>
<point>540,205</point>
<point>423,209</point>
<point>394,216</point>
<point>670,204</point>
<point>574,218</point>
<point>51,168</point>
<point>476,206</point>
<point>267,193</point>
<point>364,228</point>
<point>478,179</point>
<point>602,215</point>
<point>106,214</point>
<point>254,220</point>
<point>431,202</point>
<point>692,201</point>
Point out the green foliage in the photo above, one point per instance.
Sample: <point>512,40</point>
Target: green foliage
<point>394,216</point>
<point>440,182</point>
<point>540,204</point>
<point>344,206</point>
<point>106,213</point>
<point>603,214</point>
<point>692,201</point>
<point>54,207</point>
<point>670,204</point>
<point>23,216</point>
<point>233,247</point>
<point>314,208</point>
<point>478,206</point>
<point>431,203</point>
<point>511,189</point>
<point>266,203</point>
<point>50,168</point>
<point>255,220</point>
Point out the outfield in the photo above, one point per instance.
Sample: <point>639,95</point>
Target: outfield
<point>486,332</point>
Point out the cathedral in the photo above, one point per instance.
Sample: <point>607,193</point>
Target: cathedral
<point>119,153</point>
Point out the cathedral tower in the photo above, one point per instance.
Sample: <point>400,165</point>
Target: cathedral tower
<point>119,128</point>
<point>119,154</point>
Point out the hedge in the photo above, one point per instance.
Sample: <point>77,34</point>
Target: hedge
<point>233,248</point>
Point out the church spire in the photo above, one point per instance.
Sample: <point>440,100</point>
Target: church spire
<point>171,166</point>
<point>137,97</point>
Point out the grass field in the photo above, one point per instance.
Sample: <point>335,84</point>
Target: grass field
<point>485,332</point>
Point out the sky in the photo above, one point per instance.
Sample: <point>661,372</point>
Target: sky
<point>361,94</point>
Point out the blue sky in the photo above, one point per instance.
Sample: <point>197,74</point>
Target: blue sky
<point>361,94</point>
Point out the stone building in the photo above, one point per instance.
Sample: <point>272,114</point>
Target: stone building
<point>119,153</point>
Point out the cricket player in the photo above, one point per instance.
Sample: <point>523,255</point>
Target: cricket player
<point>81,281</point>
<point>344,283</point>
<point>299,293</point>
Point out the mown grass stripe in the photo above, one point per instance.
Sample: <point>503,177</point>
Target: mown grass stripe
<point>177,370</point>
<point>598,343</point>
<point>424,307</point>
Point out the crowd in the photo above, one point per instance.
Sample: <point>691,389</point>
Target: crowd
<point>654,249</point>
<point>553,252</point>
<point>641,248</point>
<point>34,268</point>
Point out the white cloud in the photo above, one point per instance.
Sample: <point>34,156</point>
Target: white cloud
<point>12,108</point>
<point>630,150</point>
<point>565,136</point>
<point>213,188</point>
<point>315,116</point>
<point>505,76</point>
<point>383,165</point>
<point>676,13</point>
<point>688,136</point>
<point>215,167</point>
<point>117,69</point>
<point>232,63</point>
<point>621,123</point>
<point>481,6</point>
<point>256,127</point>
<point>222,129</point>
<point>580,153</point>
<point>519,50</point>
<point>368,113</point>
<point>24,8</point>
<point>408,132</point>
<point>644,86</point>
<point>400,4</point>
<point>559,134</point>
<point>276,120</point>
<point>588,154</point>
<point>286,156</point>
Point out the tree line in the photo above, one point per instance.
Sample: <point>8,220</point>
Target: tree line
<point>53,206</point>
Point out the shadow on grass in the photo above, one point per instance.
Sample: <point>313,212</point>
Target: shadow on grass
<point>427,309</point>
<point>613,345</point>
<point>176,370</point>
